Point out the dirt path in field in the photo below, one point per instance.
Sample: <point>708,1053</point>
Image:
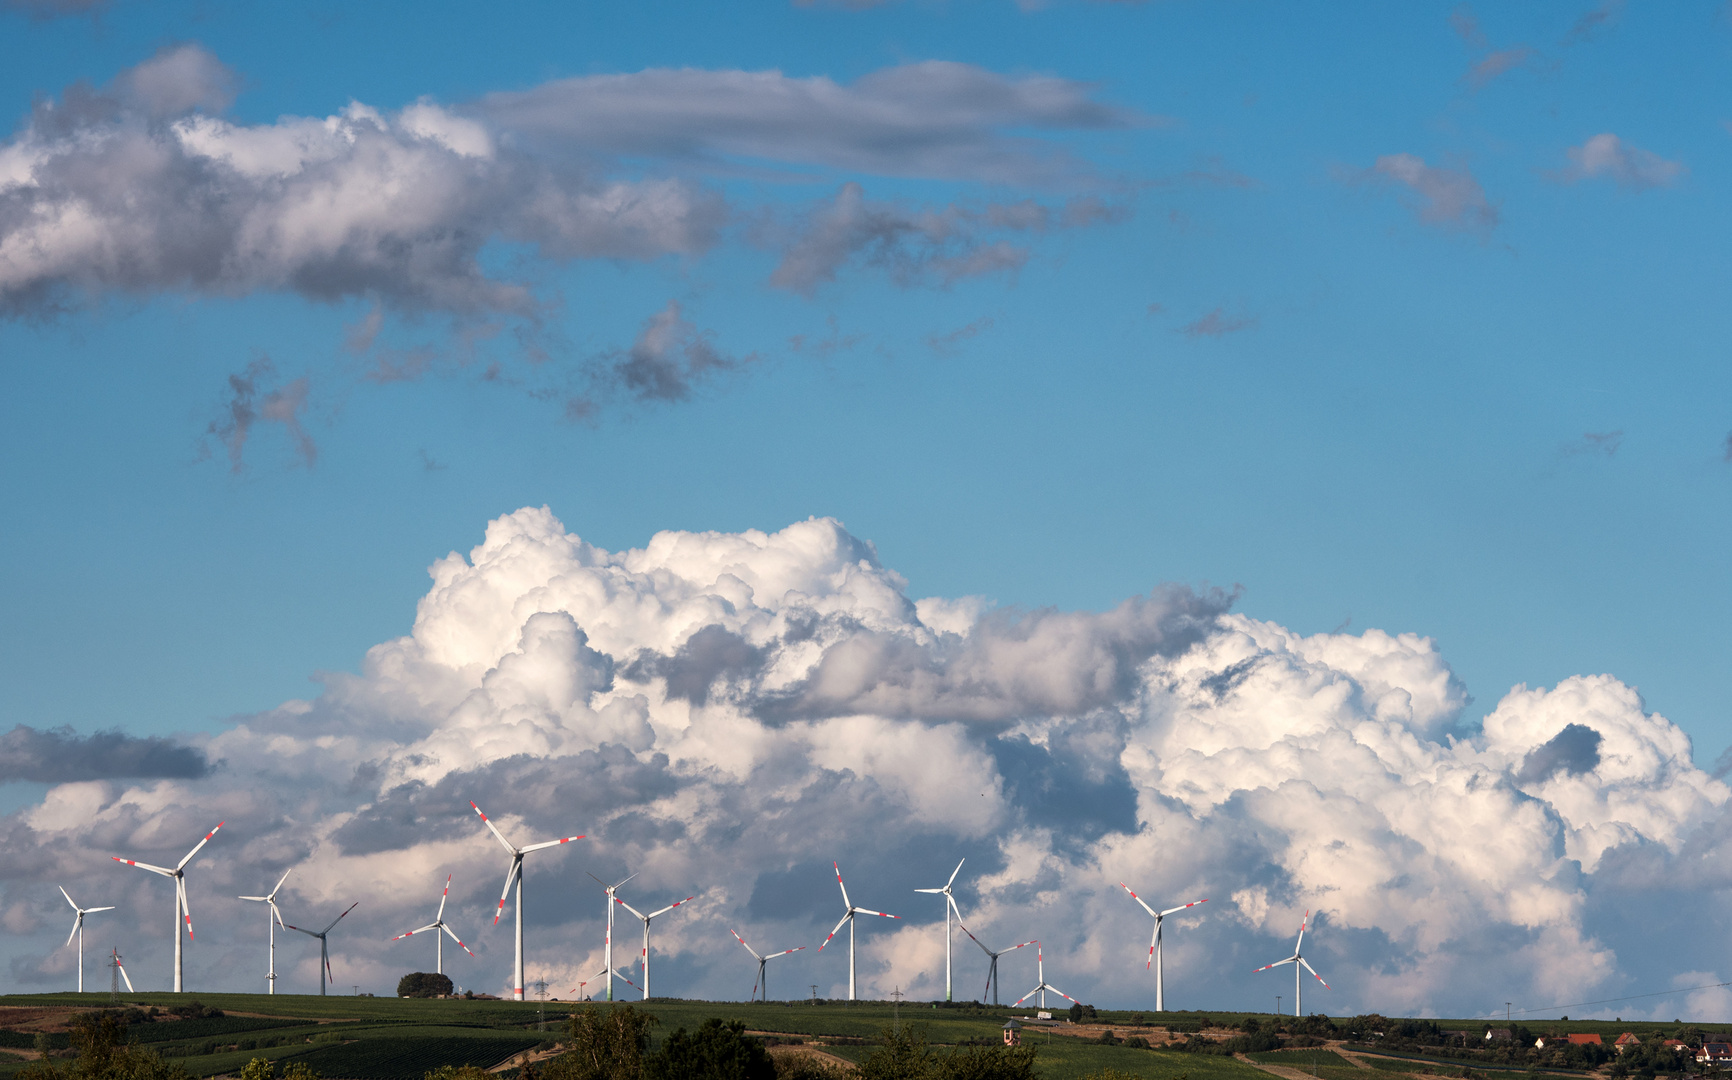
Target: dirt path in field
<point>811,1052</point>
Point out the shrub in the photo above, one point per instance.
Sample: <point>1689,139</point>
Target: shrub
<point>719,1050</point>
<point>605,1043</point>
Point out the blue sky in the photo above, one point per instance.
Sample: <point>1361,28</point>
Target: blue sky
<point>1395,317</point>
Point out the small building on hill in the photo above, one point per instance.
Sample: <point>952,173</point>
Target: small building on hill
<point>1589,1039</point>
<point>1625,1041</point>
<point>1715,1055</point>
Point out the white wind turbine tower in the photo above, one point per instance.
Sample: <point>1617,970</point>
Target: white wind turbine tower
<point>515,874</point>
<point>992,957</point>
<point>438,924</point>
<point>273,920</point>
<point>646,927</point>
<point>1155,943</point>
<point>180,909</point>
<point>1044,985</point>
<point>1297,961</point>
<point>607,944</point>
<point>324,946</point>
<point>78,931</point>
<point>849,919</point>
<point>949,906</point>
<point>763,978</point>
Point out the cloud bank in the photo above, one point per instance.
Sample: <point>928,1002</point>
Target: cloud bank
<point>726,713</point>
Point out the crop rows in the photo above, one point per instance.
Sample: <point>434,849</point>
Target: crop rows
<point>399,1058</point>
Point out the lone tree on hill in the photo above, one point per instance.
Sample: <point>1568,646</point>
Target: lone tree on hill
<point>423,984</point>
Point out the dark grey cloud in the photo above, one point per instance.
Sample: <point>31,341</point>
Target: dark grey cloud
<point>1011,664</point>
<point>577,789</point>
<point>58,755</point>
<point>1074,783</point>
<point>1572,751</point>
<point>712,653</point>
<point>669,360</point>
<point>934,118</point>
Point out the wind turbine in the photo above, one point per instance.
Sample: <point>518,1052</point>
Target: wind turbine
<point>438,923</point>
<point>607,944</point>
<point>1155,943</point>
<point>78,931</point>
<point>274,919</point>
<point>515,874</point>
<point>849,919</point>
<point>646,921</point>
<point>1044,985</point>
<point>949,906</point>
<point>324,946</point>
<point>180,908</point>
<point>763,978</point>
<point>992,957</point>
<point>1297,961</point>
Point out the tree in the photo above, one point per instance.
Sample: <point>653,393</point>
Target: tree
<point>606,1043</point>
<point>424,984</point>
<point>104,1054</point>
<point>987,1063</point>
<point>719,1050</point>
<point>902,1054</point>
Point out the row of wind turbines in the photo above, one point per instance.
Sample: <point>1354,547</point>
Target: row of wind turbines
<point>514,879</point>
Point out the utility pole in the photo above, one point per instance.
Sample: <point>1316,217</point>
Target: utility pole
<point>1277,1004</point>
<point>1506,1013</point>
<point>814,987</point>
<point>896,1011</point>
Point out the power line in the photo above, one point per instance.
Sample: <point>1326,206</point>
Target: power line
<point>1629,997</point>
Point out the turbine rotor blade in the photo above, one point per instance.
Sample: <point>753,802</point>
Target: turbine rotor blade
<point>442,898</point>
<point>282,879</point>
<point>77,921</point>
<point>195,848</point>
<point>457,939</point>
<point>844,919</point>
<point>494,829</point>
<point>742,941</point>
<point>551,843</point>
<point>1060,993</point>
<point>845,901</point>
<point>1301,941</point>
<point>1137,898</point>
<point>516,863</point>
<point>784,952</point>
<point>64,893</point>
<point>88,910</point>
<point>339,918</point>
<point>144,866</point>
<point>1181,907</point>
<point>670,907</point>
<point>180,891</point>
<point>1156,936</point>
<point>1276,964</point>
<point>953,874</point>
<point>629,908</point>
<point>869,911</point>
<point>1314,974</point>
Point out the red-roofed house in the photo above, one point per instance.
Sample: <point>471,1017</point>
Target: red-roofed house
<point>1677,1046</point>
<point>1625,1041</point>
<point>1585,1040</point>
<point>1715,1054</point>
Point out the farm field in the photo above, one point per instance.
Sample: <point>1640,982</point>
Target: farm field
<point>362,1038</point>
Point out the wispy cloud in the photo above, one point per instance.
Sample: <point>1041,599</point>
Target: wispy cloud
<point>1592,22</point>
<point>1634,169</point>
<point>1450,198</point>
<point>1216,323</point>
<point>1596,442</point>
<point>669,360</point>
<point>1493,62</point>
<point>252,400</point>
<point>914,244</point>
<point>948,342</point>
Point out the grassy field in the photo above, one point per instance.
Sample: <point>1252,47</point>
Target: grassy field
<point>394,1039</point>
<point>362,1038</point>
